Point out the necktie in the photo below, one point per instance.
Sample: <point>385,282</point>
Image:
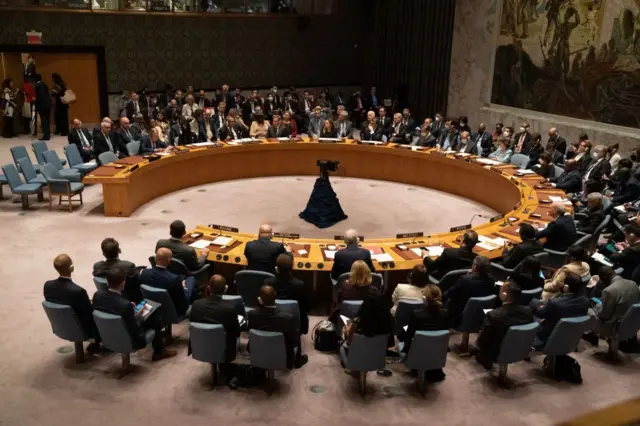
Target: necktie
<point>153,145</point>
<point>342,130</point>
<point>221,121</point>
<point>520,143</point>
<point>109,143</point>
<point>83,139</point>
<point>129,135</point>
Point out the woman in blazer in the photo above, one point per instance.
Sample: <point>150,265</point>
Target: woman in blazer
<point>503,153</point>
<point>328,130</point>
<point>575,264</point>
<point>418,278</point>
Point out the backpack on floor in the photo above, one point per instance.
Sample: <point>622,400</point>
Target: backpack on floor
<point>325,338</point>
<point>567,369</point>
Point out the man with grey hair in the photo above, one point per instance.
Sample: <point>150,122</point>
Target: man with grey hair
<point>106,141</point>
<point>598,169</point>
<point>561,232</point>
<point>398,130</point>
<point>344,127</point>
<point>594,214</point>
<point>262,253</point>
<point>344,258</point>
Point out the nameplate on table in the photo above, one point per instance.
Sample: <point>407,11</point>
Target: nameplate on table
<point>224,228</point>
<point>460,228</point>
<point>409,235</point>
<point>329,140</point>
<point>341,238</point>
<point>134,168</point>
<point>286,235</point>
<point>515,180</point>
<point>373,143</point>
<point>494,169</point>
<point>496,218</point>
<point>517,206</point>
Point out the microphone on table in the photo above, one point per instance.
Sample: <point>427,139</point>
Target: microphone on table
<point>478,215</point>
<point>526,209</point>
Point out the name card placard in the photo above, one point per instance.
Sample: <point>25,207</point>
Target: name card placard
<point>496,218</point>
<point>341,238</point>
<point>224,228</point>
<point>515,180</point>
<point>460,228</point>
<point>287,235</point>
<point>410,235</point>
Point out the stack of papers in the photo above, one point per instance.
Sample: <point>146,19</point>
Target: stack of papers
<point>91,163</point>
<point>499,242</point>
<point>302,252</point>
<point>487,310</point>
<point>415,148</point>
<point>330,254</point>
<point>487,246</point>
<point>373,142</point>
<point>330,139</point>
<point>417,251</point>
<point>284,139</point>
<point>384,257</point>
<point>488,161</point>
<point>162,154</point>
<point>525,172</point>
<point>555,199</point>
<point>463,154</point>
<point>499,283</point>
<point>203,144</point>
<point>600,258</point>
<point>435,250</point>
<point>222,241</point>
<point>200,244</point>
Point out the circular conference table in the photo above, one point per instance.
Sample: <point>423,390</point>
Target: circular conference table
<point>518,197</point>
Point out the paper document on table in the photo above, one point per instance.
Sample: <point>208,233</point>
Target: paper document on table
<point>373,142</point>
<point>203,144</point>
<point>463,154</point>
<point>435,250</point>
<point>162,154</point>
<point>601,258</point>
<point>415,148</point>
<point>91,163</point>
<point>495,241</point>
<point>222,241</point>
<point>284,139</point>
<point>384,257</point>
<point>330,254</point>
<point>555,199</point>
<point>487,161</point>
<point>200,244</point>
<point>417,251</point>
<point>302,252</point>
<point>621,209</point>
<point>331,139</point>
<point>487,246</point>
<point>525,172</point>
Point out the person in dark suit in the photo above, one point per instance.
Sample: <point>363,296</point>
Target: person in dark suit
<point>569,304</point>
<point>522,140</point>
<point>528,277</point>
<point>511,257</point>
<point>179,132</point>
<point>126,134</point>
<point>498,321</point>
<point>627,187</point>
<point>535,150</point>
<point>225,97</point>
<point>133,107</point>
<point>268,317</point>
<point>65,292</point>
<point>106,141</point>
<point>371,129</point>
<point>561,232</point>
<point>80,137</point>
<point>483,139</point>
<point>152,142</point>
<point>262,253</point>
<point>343,259</point>
<point>230,131</point>
<point>628,255</point>
<point>43,106</point>
<point>408,121</point>
<point>202,101</point>
<point>556,144</point>
<point>356,107</point>
<point>546,169</point>
<point>112,302</point>
<point>213,309</point>
<point>449,137</point>
<point>172,111</point>
<point>570,181</point>
<point>111,252</point>
<point>453,259</point>
<point>598,169</point>
<point>344,128</point>
<point>182,290</point>
<point>477,283</point>
<point>180,250</point>
<point>219,120</point>
<point>372,100</point>
<point>594,214</point>
<point>425,137</point>
<point>467,145</point>
<point>384,122</point>
<point>316,122</point>
<point>398,130</point>
<point>278,129</point>
<point>290,288</point>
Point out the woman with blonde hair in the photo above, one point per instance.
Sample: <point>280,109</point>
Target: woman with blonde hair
<point>358,286</point>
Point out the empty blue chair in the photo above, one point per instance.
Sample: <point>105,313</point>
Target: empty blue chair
<point>237,303</point>
<point>516,346</point>
<point>403,313</point>
<point>269,352</point>
<point>51,157</point>
<point>3,181</point>
<point>290,306</point>
<point>628,328</point>
<point>39,148</point>
<point>167,309</point>
<point>61,187</point>
<point>365,354</point>
<point>75,160</point>
<point>428,352</point>
<point>527,296</point>
<point>377,280</point>
<point>18,152</point>
<point>116,338</point>
<point>101,283</point>
<point>29,173</point>
<point>564,338</point>
<point>66,325</point>
<point>520,160</point>
<point>133,147</point>
<point>107,157</point>
<point>19,188</point>
<point>249,283</point>
<point>350,308</point>
<point>473,316</point>
<point>208,344</point>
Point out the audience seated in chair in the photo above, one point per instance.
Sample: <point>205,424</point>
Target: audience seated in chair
<point>575,264</point>
<point>514,254</point>
<point>182,251</point>
<point>476,283</point>
<point>561,232</point>
<point>594,214</point>
<point>453,259</point>
<point>418,278</point>
<point>529,276</point>
<point>358,286</point>
<point>64,291</point>
<point>111,252</point>
<point>628,251</point>
<point>344,258</point>
<point>262,253</point>
<point>570,181</point>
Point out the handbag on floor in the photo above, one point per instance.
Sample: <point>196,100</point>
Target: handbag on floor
<point>325,338</point>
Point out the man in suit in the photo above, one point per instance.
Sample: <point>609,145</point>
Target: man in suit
<point>570,180</point>
<point>219,120</point>
<point>213,309</point>
<point>384,122</point>
<point>225,97</point>
<point>468,145</point>
<point>112,302</point>
<point>238,98</point>
<point>522,140</point>
<point>449,136</point>
<point>561,232</point>
<point>202,101</point>
<point>398,130</point>
<point>511,257</point>
<point>262,253</point>
<point>594,214</point>
<point>451,258</point>
<point>356,106</point>
<point>628,255</point>
<point>316,121</point>
<point>180,250</point>
<point>483,140</point>
<point>497,323</point>
<point>125,134</point>
<point>133,107</point>
<point>438,125</point>
<point>267,317</point>
<point>111,252</point>
<point>598,169</point>
<point>277,129</point>
<point>172,110</point>
<point>556,144</point>
<point>408,122</point>
<point>425,137</point>
<point>344,258</point>
<point>627,188</point>
<point>289,287</point>
<point>617,297</point>
<point>80,137</point>
<point>151,143</point>
<point>343,126</point>
<point>43,106</point>
<point>569,304</point>
<point>65,292</point>
<point>182,290</point>
<point>106,141</point>
<point>230,131</point>
<point>477,283</point>
<point>371,130</point>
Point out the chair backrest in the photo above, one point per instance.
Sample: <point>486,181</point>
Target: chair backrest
<point>133,147</point>
<point>542,256</point>
<point>630,323</point>
<point>249,283</point>
<point>606,203</point>
<point>64,322</point>
<point>292,307</point>
<point>113,332</point>
<point>12,176</point>
<point>208,342</point>
<point>377,280</point>
<point>520,160</point>
<point>101,283</point>
<point>527,296</point>
<point>268,350</point>
<point>566,335</point>
<point>403,313</point>
<point>350,308</point>
<point>473,313</point>
<point>367,353</point>
<point>51,157</point>
<point>500,273</point>
<point>160,295</point>
<point>450,278</point>
<point>73,155</point>
<point>559,170</point>
<point>39,147</point>
<point>107,157</point>
<point>516,344</point>
<point>27,169</point>
<point>601,227</point>
<point>50,172</point>
<point>341,280</point>
<point>18,152</point>
<point>237,303</point>
<point>428,350</point>
<point>178,267</point>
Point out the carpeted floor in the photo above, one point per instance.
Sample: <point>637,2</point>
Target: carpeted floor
<point>40,384</point>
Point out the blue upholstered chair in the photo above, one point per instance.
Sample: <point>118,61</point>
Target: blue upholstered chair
<point>403,313</point>
<point>336,288</point>
<point>51,157</point>
<point>236,301</point>
<point>60,186</point>
<point>428,352</point>
<point>473,316</point>
<point>133,148</point>
<point>18,152</point>
<point>100,283</point>
<point>448,279</point>
<point>516,346</point>
<point>39,148</point>
<point>500,273</point>
<point>116,337</point>
<point>67,326</point>
<point>564,338</point>
<point>3,181</point>
<point>208,344</point>
<point>527,296</point>
<point>520,160</point>
<point>249,283</point>
<point>365,354</point>
<point>167,309</point>
<point>350,308</point>
<point>269,352</point>
<point>18,187</point>
<point>76,162</point>
<point>628,328</point>
<point>377,280</point>
<point>107,157</point>
<point>29,172</point>
<point>557,259</point>
<point>290,306</point>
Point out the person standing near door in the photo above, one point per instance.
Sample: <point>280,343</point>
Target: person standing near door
<point>61,110</point>
<point>43,107</point>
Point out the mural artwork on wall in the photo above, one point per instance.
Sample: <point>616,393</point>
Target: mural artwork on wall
<point>579,58</point>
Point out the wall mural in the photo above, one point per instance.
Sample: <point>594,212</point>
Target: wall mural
<point>579,58</point>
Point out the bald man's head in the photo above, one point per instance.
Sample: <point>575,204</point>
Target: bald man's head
<point>217,285</point>
<point>265,231</point>
<point>267,296</point>
<point>63,264</point>
<point>163,257</point>
<point>558,209</point>
<point>124,122</point>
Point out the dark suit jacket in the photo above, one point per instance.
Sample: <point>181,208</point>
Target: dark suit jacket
<point>594,217</point>
<point>113,303</point>
<point>43,97</point>
<point>228,99</point>
<point>215,310</point>
<point>424,319</point>
<point>215,123</point>
<point>526,145</point>
<point>565,306</point>
<point>328,134</point>
<point>291,288</point>
<point>628,258</point>
<point>145,146</point>
<point>511,258</point>
<point>626,192</point>
<point>124,139</point>
<point>599,170</point>
<point>569,182</point>
<point>130,111</point>
<point>282,131</point>
<point>451,259</point>
<point>75,139</point>
<point>344,259</point>
<point>182,252</point>
<point>272,319</point>
<point>367,135</point>
<point>132,287</point>
<point>560,233</point>
<point>428,141</point>
<point>262,253</point>
<point>65,292</point>
<point>496,324</point>
<point>400,136</point>
<point>467,286</point>
<point>454,138</point>
<point>385,125</point>
<point>225,132</point>
<point>559,144</point>
<point>162,278</point>
<point>100,144</point>
<point>486,141</point>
